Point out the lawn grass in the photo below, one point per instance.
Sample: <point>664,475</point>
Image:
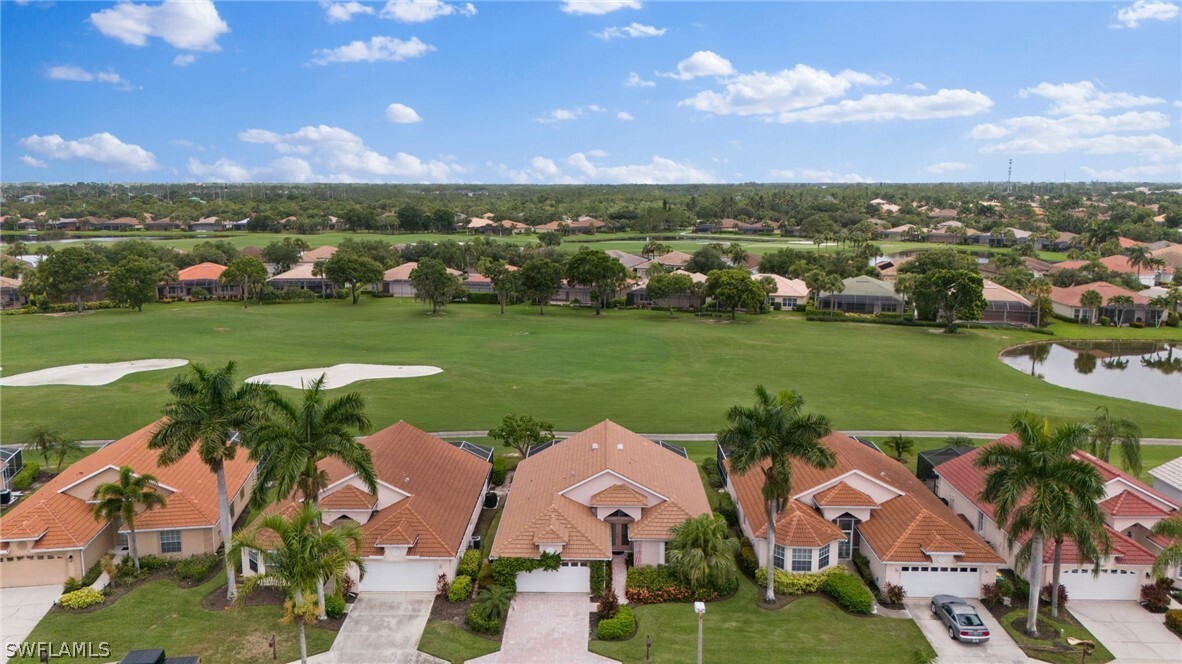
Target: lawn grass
<point>1069,628</point>
<point>640,368</point>
<point>158,614</point>
<point>810,629</point>
<point>448,642</point>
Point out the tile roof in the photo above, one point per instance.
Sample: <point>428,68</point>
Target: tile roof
<point>301,272</point>
<point>785,287</point>
<point>619,495</point>
<point>867,286</point>
<point>536,500</point>
<point>1169,472</point>
<point>402,272</point>
<point>843,495</point>
<point>798,525</point>
<point>318,254</point>
<point>1127,503</point>
<point>1123,550</point>
<point>994,292</point>
<point>201,272</point>
<point>696,277</point>
<point>1116,263</point>
<point>348,497</point>
<point>67,521</point>
<point>1070,296</point>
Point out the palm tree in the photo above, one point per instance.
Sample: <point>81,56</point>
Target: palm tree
<point>770,435</point>
<point>1041,289</point>
<point>703,553</point>
<point>295,438</point>
<point>42,440</point>
<point>1091,300</point>
<point>298,554</point>
<point>1041,492</point>
<point>1171,556</point>
<point>1107,431</point>
<point>1159,303</point>
<point>62,448</point>
<point>123,499</point>
<point>834,285</point>
<point>492,603</point>
<point>900,445</point>
<point>1139,257</point>
<point>958,441</point>
<point>736,253</point>
<point>210,413</point>
<point>1121,303</point>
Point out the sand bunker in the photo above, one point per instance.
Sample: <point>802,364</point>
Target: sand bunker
<point>340,375</point>
<point>87,374</point>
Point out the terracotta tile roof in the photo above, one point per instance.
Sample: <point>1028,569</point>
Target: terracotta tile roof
<point>536,500</point>
<point>201,272</point>
<point>843,495</point>
<point>1070,296</point>
<point>798,525</point>
<point>619,495</point>
<point>1116,263</point>
<point>318,254</point>
<point>402,272</point>
<point>696,277</point>
<point>1124,551</point>
<point>995,292</point>
<point>899,527</point>
<point>785,287</point>
<point>937,544</point>
<point>1110,472</point>
<point>67,520</point>
<point>301,272</point>
<point>1127,503</point>
<point>348,497</point>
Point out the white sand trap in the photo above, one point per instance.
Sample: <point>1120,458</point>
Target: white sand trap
<point>88,374</point>
<point>340,375</point>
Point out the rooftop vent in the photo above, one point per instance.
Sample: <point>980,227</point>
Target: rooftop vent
<point>594,446</point>
<point>619,446</point>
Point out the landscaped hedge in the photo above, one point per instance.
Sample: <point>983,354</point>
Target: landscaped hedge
<point>24,479</point>
<point>710,469</point>
<point>618,628</point>
<point>726,509</point>
<point>481,298</point>
<point>80,599</point>
<point>655,585</point>
<point>1174,621</point>
<point>849,591</point>
<point>505,570</point>
<point>823,316</point>
<point>478,624</point>
<point>795,583</point>
<point>498,471</point>
<point>270,295</point>
<point>746,559</point>
<point>334,606</point>
<point>63,308</point>
<point>469,564</point>
<point>598,576</point>
<point>196,568</point>
<point>461,589</point>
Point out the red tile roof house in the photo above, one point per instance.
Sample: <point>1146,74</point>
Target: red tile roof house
<point>788,293</point>
<point>419,524</point>
<point>478,283</point>
<point>202,275</point>
<point>871,504</point>
<point>1131,508</point>
<point>1066,302</point>
<point>51,534</point>
<point>301,276</point>
<point>600,494</point>
<point>1120,264</point>
<point>396,280</point>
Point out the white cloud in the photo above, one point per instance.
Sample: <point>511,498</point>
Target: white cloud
<point>657,171</point>
<point>917,86</point>
<point>223,170</point>
<point>544,166</point>
<point>625,116</point>
<point>347,157</point>
<point>597,153</point>
<point>635,81</point>
<point>184,59</point>
<point>566,114</point>
<point>190,25</point>
<point>102,148</point>
<point>402,114</point>
<point>882,107</point>
<point>29,160</point>
<point>1136,173</point>
<point>1094,134</point>
<point>284,169</point>
<point>1083,97</point>
<point>421,11</point>
<point>760,93</point>
<point>75,73</point>
<point>597,7</point>
<point>701,63</point>
<point>377,49</point>
<point>818,175</point>
<point>948,166</point>
<point>631,31</point>
<point>341,12</point>
<point>1144,10</point>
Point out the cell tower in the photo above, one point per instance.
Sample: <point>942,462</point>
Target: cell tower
<point>1009,175</point>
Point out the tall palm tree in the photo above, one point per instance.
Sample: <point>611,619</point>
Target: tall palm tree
<point>770,435</point>
<point>1160,303</point>
<point>296,437</point>
<point>901,445</point>
<point>1171,556</point>
<point>1041,492</point>
<point>1107,431</point>
<point>1092,301</point>
<point>42,439</point>
<point>1121,303</point>
<point>834,285</point>
<point>1139,256</point>
<point>62,448</point>
<point>209,412</point>
<point>702,552</point>
<point>123,499</point>
<point>1041,289</point>
<point>298,554</point>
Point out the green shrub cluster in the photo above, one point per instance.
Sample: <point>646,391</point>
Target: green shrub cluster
<point>598,575</point>
<point>849,592</point>
<point>334,606</point>
<point>268,295</point>
<point>1174,621</point>
<point>498,471</point>
<point>655,585</point>
<point>196,568</point>
<point>710,469</point>
<point>65,307</point>
<point>504,571</point>
<point>482,298</point>
<point>620,627</point>
<point>796,583</point>
<point>80,599</point>
<point>461,589</point>
<point>747,560</point>
<point>71,585</point>
<point>24,479</point>
<point>469,564</point>
<point>726,509</point>
<point>479,624</point>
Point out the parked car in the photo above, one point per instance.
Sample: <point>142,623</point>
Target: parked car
<point>961,619</point>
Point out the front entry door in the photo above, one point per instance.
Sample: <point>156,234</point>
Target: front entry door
<point>620,541</point>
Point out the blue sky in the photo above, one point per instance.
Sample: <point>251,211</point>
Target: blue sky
<point>585,91</point>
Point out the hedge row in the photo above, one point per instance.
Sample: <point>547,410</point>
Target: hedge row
<point>796,583</point>
<point>849,591</point>
<point>619,627</point>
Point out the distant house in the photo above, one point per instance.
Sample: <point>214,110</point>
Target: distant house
<point>1167,480</point>
<point>685,301</point>
<point>396,280</point>
<point>10,293</point>
<point>1064,241</point>
<point>478,283</point>
<point>888,270</point>
<point>12,460</point>
<point>31,198</point>
<point>202,275</point>
<point>164,224</point>
<point>1038,268</point>
<point>483,226</point>
<point>581,226</point>
<point>120,224</point>
<point>207,225</point>
<point>1066,303</point>
<point>63,224</point>
<point>1120,264</point>
<point>318,254</point>
<point>301,276</point>
<point>863,295</point>
<point>759,228</point>
<point>578,294</point>
<point>1006,306</point>
<point>788,293</point>
<point>671,261</point>
<point>31,224</point>
<point>902,233</point>
<point>629,261</point>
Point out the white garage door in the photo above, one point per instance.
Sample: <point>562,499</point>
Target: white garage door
<point>404,576</point>
<point>562,580</point>
<point>1111,584</point>
<point>927,581</point>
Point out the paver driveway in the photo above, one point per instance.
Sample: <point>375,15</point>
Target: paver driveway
<point>547,628</point>
<point>383,628</point>
<point>999,649</point>
<point>20,611</point>
<point>1132,634</point>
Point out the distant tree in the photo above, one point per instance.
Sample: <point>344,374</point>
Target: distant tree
<point>411,218</point>
<point>246,272</point>
<point>1016,279</point>
<point>352,269</point>
<point>901,445</point>
<point>506,283</point>
<point>522,432</point>
<point>210,251</point>
<point>134,281</point>
<point>600,273</point>
<point>1092,300</point>
<point>378,251</point>
<point>1170,529</point>
<point>1106,431</point>
<point>282,254</point>
<point>706,260</point>
<point>958,441</point>
<point>1040,289</point>
<point>737,254</point>
<point>1121,303</point>
<point>943,258</point>
<point>550,239</point>
<point>734,288</point>
<point>905,288</point>
<point>358,218</point>
<point>42,440</point>
<point>661,286</point>
<point>817,225</point>
<point>126,499</point>
<point>949,296</point>
<point>654,248</point>
<point>71,273</point>
<point>1160,303</point>
<point>442,220</point>
<point>62,448</point>
<point>541,278</point>
<point>434,284</point>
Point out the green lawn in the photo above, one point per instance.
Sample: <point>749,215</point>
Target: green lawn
<point>446,641</point>
<point>639,368</point>
<point>158,614</point>
<point>1068,627</point>
<point>811,629</point>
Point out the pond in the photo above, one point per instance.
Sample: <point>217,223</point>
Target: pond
<point>1145,371</point>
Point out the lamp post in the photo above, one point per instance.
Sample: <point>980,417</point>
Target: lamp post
<point>700,609</point>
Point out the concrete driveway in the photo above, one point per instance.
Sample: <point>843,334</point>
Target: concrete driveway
<point>547,628</point>
<point>1000,648</point>
<point>20,611</point>
<point>1132,634</point>
<point>382,627</point>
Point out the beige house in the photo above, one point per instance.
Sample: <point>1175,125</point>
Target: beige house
<point>788,292</point>
<point>396,280</point>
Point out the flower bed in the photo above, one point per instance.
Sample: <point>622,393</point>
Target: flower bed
<point>656,585</point>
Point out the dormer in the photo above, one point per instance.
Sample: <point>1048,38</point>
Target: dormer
<point>348,501</point>
<point>619,497</point>
<point>841,498</point>
<point>396,541</point>
<point>18,538</point>
<point>873,488</point>
<point>940,550</point>
<point>388,494</point>
<point>610,486</point>
<point>83,488</point>
<point>553,539</point>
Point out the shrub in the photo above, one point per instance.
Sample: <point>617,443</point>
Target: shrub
<point>469,564</point>
<point>654,585</point>
<point>504,570</point>
<point>485,577</point>
<point>619,627</point>
<point>990,594</point>
<point>894,594</point>
<point>480,624</point>
<point>1174,621</point>
<point>1137,325</point>
<point>442,585</point>
<point>598,575</point>
<point>24,479</point>
<point>862,564</point>
<point>1156,596</point>
<point>608,604</point>
<point>482,298</point>
<point>196,568</point>
<point>334,606</point>
<point>93,573</point>
<point>487,613</point>
<point>748,563</point>
<point>1045,595</point>
<point>71,585</point>
<point>80,599</point>
<point>151,563</point>
<point>1021,590</point>
<point>726,509</point>
<point>1173,320</point>
<point>1004,586</point>
<point>710,469</point>
<point>199,294</point>
<point>849,592</point>
<point>461,589</point>
<point>498,471</point>
<point>796,583</point>
<point>1104,321</point>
